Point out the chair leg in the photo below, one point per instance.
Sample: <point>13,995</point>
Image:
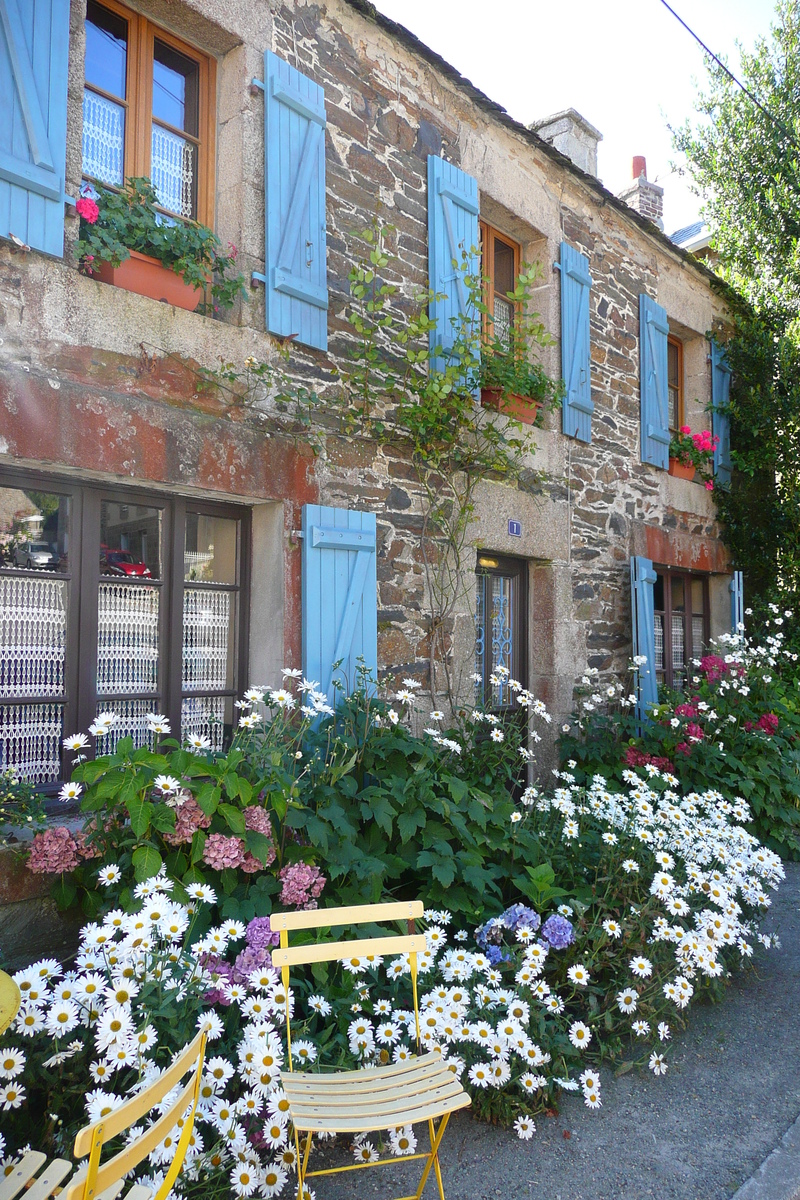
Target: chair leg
<point>433,1159</point>
<point>302,1165</point>
<point>436,1164</point>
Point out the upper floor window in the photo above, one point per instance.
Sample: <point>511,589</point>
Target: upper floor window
<point>148,100</point>
<point>500,258</point>
<point>681,623</point>
<point>500,629</point>
<point>675,383</point>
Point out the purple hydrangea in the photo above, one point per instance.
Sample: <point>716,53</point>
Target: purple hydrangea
<point>520,915</point>
<point>260,934</point>
<point>557,931</point>
<point>491,933</point>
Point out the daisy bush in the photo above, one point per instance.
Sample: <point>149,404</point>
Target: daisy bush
<point>643,901</point>
<point>735,727</point>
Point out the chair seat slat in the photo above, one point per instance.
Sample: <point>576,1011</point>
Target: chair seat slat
<point>138,1192</point>
<point>409,1116</point>
<point>43,1185</point>
<point>358,914</point>
<point>360,1095</point>
<point>327,951</point>
<point>357,1107</point>
<point>13,1183</point>
<point>295,1084</point>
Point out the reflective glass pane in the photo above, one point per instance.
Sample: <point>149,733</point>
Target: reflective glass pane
<point>210,549</point>
<point>502,648</point>
<point>130,540</point>
<point>30,740</point>
<point>208,639</point>
<point>678,602</point>
<point>106,58</point>
<point>698,635</point>
<point>480,635</point>
<point>103,138</point>
<point>209,717</point>
<point>34,530</point>
<point>173,171</point>
<point>698,598</point>
<point>658,593</point>
<point>659,642</point>
<point>503,318</point>
<point>175,88</point>
<point>127,638</point>
<point>503,268</point>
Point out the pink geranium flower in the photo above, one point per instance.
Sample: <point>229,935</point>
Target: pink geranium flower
<point>87,209</point>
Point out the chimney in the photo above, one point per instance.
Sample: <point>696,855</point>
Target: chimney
<point>645,197</point>
<point>572,134</point>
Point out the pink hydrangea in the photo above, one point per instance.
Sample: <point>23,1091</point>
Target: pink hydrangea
<point>53,852</point>
<point>768,723</point>
<point>685,710</point>
<point>713,667</point>
<point>221,851</point>
<point>694,732</point>
<point>302,885</point>
<point>189,817</point>
<point>257,819</point>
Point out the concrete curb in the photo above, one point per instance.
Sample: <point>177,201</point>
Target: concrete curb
<point>778,1177</point>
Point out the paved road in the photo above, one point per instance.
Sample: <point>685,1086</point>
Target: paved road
<point>731,1094</point>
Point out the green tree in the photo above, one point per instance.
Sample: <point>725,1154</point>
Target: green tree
<point>743,155</point>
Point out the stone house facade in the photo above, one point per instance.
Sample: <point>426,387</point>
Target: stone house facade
<point>112,452</point>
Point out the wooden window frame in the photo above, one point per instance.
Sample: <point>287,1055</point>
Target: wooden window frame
<point>138,104</point>
<point>83,579</point>
<point>678,344</point>
<point>488,235</point>
<point>668,574</point>
<point>516,568</point>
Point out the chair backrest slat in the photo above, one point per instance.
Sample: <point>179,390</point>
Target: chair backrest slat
<point>360,914</point>
<point>129,1113</point>
<point>132,1155</point>
<point>327,951</point>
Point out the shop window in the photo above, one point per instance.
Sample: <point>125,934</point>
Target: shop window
<point>501,628</point>
<point>500,259</point>
<point>675,383</point>
<point>115,602</point>
<point>681,609</point>
<point>148,104</point>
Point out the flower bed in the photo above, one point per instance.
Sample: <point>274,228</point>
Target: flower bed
<point>644,900</point>
<point>736,728</point>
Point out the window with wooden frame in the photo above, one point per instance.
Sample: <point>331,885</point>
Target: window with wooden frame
<point>500,259</point>
<point>501,629</point>
<point>681,605</point>
<point>119,601</point>
<point>148,110</point>
<point>675,383</point>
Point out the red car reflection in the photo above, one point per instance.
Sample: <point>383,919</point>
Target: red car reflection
<point>122,562</point>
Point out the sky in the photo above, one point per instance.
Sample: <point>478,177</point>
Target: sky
<point>625,65</point>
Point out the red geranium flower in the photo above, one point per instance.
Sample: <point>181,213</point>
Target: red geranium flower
<point>87,209</point>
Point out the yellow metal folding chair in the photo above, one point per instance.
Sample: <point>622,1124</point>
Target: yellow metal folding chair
<point>94,1181</point>
<point>376,1098</point>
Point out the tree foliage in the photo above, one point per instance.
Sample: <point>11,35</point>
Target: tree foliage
<point>744,159</point>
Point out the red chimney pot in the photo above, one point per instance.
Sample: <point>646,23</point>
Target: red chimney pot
<point>639,166</point>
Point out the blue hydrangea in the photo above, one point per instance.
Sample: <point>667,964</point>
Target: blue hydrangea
<point>558,932</point>
<point>520,914</point>
<point>491,933</point>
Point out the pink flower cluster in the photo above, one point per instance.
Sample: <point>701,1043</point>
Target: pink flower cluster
<point>87,209</point>
<point>638,758</point>
<point>703,441</point>
<point>302,885</point>
<point>713,667</point>
<point>189,817</point>
<point>58,850</point>
<point>694,732</point>
<point>768,723</point>
<point>258,819</point>
<point>221,851</point>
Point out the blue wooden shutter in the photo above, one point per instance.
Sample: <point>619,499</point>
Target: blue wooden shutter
<point>452,230</point>
<point>737,601</point>
<point>577,406</point>
<point>34,48</point>
<point>295,255</point>
<point>644,632</point>
<point>653,330</point>
<point>720,417</point>
<point>340,595</point>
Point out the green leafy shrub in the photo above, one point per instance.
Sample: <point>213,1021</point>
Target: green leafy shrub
<point>736,729</point>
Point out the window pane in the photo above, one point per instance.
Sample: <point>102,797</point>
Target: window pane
<point>208,639</point>
<point>678,601</point>
<point>106,50</point>
<point>210,549</point>
<point>480,636</point>
<point>175,88</point>
<point>672,364</point>
<point>207,716</point>
<point>658,593</point>
<point>33,636</point>
<point>659,644</point>
<point>34,530</point>
<point>678,649</point>
<point>503,314</point>
<point>130,540</point>
<point>502,590</point>
<point>503,268</point>
<point>698,637</point>
<point>127,638</point>
<point>131,722</point>
<point>30,740</point>
<point>103,138</point>
<point>173,171</point>
<point>698,598</point>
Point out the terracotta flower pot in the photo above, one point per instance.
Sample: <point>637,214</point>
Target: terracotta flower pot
<point>677,469</point>
<point>148,277</point>
<point>521,408</point>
